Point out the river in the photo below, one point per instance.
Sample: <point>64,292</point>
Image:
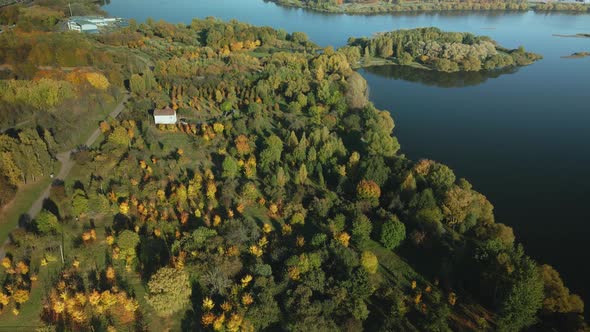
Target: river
<point>521,137</point>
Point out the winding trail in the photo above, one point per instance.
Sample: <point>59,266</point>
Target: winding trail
<point>66,167</point>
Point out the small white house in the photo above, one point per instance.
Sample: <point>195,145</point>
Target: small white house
<point>165,116</point>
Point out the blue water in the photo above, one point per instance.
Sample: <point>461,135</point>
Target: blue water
<point>522,138</point>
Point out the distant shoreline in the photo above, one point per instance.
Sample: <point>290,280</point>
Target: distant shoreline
<point>423,7</point>
<point>578,35</point>
<point>577,55</point>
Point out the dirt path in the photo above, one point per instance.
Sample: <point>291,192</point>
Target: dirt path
<point>66,167</point>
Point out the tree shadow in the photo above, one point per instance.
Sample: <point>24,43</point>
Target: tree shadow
<point>50,206</point>
<point>153,253</point>
<point>191,320</point>
<point>439,79</point>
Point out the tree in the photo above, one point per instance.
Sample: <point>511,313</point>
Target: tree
<point>127,242</point>
<point>137,84</point>
<point>361,230</point>
<point>119,137</point>
<point>47,222</point>
<point>441,178</point>
<point>169,291</point>
<point>299,37</point>
<point>273,151</point>
<point>381,143</point>
<point>356,91</point>
<point>557,297</point>
<point>98,80</point>
<point>302,175</point>
<point>79,202</point>
<point>393,232</point>
<point>230,167</point>
<point>456,205</point>
<point>368,190</point>
<point>369,261</point>
<point>524,298</point>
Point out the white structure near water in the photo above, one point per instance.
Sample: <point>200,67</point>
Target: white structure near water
<point>92,24</point>
<point>165,116</point>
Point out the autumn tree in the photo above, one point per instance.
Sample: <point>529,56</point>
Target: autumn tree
<point>368,190</point>
<point>557,297</point>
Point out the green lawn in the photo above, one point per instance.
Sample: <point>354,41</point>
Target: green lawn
<point>21,203</point>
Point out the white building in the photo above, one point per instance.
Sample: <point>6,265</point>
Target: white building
<point>165,116</point>
<point>82,26</point>
<point>91,24</point>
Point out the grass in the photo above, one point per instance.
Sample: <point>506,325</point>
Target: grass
<point>377,61</point>
<point>24,198</point>
<point>258,54</point>
<point>392,267</point>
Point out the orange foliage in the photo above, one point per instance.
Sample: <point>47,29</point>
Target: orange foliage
<point>367,189</point>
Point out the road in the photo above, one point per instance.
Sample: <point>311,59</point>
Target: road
<point>66,167</point>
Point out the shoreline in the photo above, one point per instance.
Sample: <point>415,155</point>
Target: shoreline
<point>421,8</point>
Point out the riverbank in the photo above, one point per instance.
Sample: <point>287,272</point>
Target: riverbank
<point>405,7</point>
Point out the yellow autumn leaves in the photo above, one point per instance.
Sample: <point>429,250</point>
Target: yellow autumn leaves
<point>226,320</point>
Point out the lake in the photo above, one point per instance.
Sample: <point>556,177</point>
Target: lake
<point>521,137</point>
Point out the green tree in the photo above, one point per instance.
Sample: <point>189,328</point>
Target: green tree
<point>47,222</point>
<point>79,202</point>
<point>369,261</point>
<point>440,178</point>
<point>524,299</point>
<point>361,230</point>
<point>137,84</point>
<point>272,153</point>
<point>169,291</point>
<point>230,167</point>
<point>302,175</point>
<point>119,137</point>
<point>393,232</point>
<point>127,242</point>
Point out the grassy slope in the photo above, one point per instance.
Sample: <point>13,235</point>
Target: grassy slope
<point>21,203</point>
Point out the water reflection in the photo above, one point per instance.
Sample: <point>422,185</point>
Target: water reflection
<point>438,79</point>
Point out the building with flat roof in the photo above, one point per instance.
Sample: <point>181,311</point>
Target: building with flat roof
<point>82,26</point>
<point>93,24</point>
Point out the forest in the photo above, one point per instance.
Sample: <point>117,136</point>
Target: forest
<point>434,49</point>
<point>281,201</point>
<point>394,6</point>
